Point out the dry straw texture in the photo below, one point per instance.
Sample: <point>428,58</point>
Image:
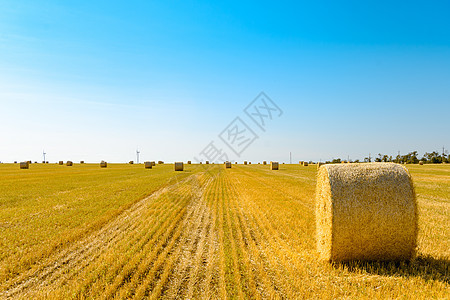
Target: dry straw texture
<point>69,163</point>
<point>365,211</point>
<point>274,165</point>
<point>228,165</point>
<point>103,164</point>
<point>148,165</point>
<point>24,165</point>
<point>178,166</point>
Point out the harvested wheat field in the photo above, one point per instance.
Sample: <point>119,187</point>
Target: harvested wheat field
<point>204,233</point>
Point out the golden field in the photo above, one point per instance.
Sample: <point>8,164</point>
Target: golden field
<point>207,232</point>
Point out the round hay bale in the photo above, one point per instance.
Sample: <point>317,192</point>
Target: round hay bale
<point>227,165</point>
<point>160,162</point>
<point>61,162</point>
<point>421,163</point>
<point>148,165</point>
<point>178,166</point>
<point>264,162</point>
<point>274,165</point>
<point>69,163</point>
<point>365,211</point>
<point>82,162</point>
<point>25,165</point>
<point>131,162</point>
<point>188,162</point>
<point>103,164</point>
<point>207,162</point>
<point>305,163</point>
<point>245,162</point>
<point>153,163</point>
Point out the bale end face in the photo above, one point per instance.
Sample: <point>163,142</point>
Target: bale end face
<point>365,211</point>
<point>178,166</point>
<point>274,165</point>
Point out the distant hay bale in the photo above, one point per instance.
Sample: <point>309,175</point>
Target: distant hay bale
<point>264,162</point>
<point>245,162</point>
<point>15,161</point>
<point>249,162</point>
<point>365,211</point>
<point>82,162</point>
<point>148,165</point>
<point>160,162</point>
<point>188,162</point>
<point>305,163</point>
<point>178,166</point>
<point>200,162</point>
<point>61,162</point>
<point>131,162</point>
<point>421,163</point>
<point>274,165</point>
<point>153,163</point>
<point>207,162</point>
<point>69,163</point>
<point>227,165</point>
<point>301,162</point>
<point>24,165</point>
<point>103,164</point>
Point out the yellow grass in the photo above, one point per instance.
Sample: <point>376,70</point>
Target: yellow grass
<point>208,232</point>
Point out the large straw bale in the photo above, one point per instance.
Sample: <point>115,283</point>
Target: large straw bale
<point>227,165</point>
<point>148,165</point>
<point>24,165</point>
<point>103,164</point>
<point>69,163</point>
<point>365,211</point>
<point>179,166</point>
<point>274,165</point>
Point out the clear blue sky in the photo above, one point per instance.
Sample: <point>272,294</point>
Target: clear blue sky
<point>94,80</point>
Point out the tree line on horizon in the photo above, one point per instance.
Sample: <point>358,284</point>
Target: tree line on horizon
<point>410,158</point>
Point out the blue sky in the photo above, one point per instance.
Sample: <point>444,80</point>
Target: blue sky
<point>92,80</point>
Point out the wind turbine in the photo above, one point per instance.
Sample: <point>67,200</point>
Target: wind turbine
<point>137,155</point>
<point>43,152</point>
